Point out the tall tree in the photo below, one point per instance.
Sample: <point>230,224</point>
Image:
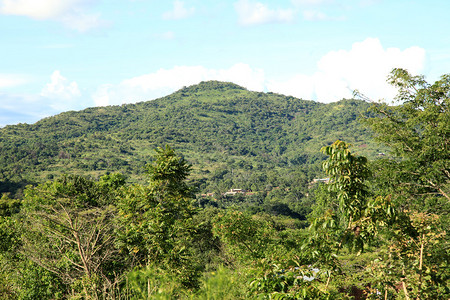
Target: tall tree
<point>418,132</point>
<point>155,219</point>
<point>416,179</point>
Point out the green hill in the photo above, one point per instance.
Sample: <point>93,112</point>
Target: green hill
<point>228,133</point>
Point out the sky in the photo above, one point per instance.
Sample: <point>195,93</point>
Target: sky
<point>60,55</point>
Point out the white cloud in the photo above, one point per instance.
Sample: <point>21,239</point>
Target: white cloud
<point>43,9</point>
<point>364,67</point>
<point>57,96</point>
<point>166,81</point>
<point>251,13</point>
<point>178,11</point>
<point>26,108</point>
<point>66,93</point>
<point>69,12</point>
<point>103,94</point>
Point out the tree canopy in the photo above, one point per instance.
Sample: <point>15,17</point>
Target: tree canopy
<point>418,132</point>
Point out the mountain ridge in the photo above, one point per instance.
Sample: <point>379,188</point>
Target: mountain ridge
<point>215,125</point>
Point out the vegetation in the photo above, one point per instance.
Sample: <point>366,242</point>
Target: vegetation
<point>375,228</point>
<point>231,136</point>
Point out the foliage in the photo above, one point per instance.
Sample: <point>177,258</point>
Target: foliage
<point>348,174</point>
<point>415,264</point>
<point>376,229</point>
<point>222,283</point>
<point>418,131</point>
<point>67,233</point>
<point>415,184</point>
<point>404,236</point>
<point>155,220</point>
<point>9,206</point>
<point>292,281</point>
<point>232,136</point>
<point>244,235</point>
<point>152,282</point>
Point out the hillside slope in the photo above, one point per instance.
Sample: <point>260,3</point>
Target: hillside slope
<point>219,127</point>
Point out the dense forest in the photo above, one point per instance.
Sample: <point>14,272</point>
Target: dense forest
<point>218,127</point>
<point>234,138</point>
<point>348,200</point>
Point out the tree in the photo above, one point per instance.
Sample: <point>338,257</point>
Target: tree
<point>348,174</point>
<point>68,231</point>
<point>412,187</point>
<point>418,132</point>
<point>155,220</point>
<point>411,244</point>
<point>343,219</point>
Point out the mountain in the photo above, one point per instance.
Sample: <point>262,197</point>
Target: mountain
<point>221,128</point>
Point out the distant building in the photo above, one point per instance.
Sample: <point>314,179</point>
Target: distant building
<point>233,192</point>
<point>322,180</point>
<point>319,180</point>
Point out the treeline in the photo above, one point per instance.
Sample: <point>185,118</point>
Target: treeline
<point>376,230</point>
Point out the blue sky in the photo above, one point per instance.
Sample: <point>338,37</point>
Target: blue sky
<point>59,55</point>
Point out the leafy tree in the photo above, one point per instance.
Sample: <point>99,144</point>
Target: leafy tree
<point>358,218</point>
<point>348,174</point>
<point>418,132</point>
<point>155,220</point>
<point>340,221</point>
<point>416,183</point>
<point>68,231</point>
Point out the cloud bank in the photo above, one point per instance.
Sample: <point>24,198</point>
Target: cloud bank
<point>364,67</point>
<point>166,81</point>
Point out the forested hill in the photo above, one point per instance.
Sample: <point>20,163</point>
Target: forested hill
<point>219,127</point>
